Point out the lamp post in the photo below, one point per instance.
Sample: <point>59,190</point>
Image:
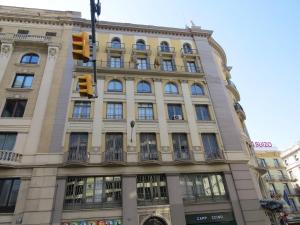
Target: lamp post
<point>132,123</point>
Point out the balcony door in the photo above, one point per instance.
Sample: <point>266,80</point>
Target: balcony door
<point>114,146</point>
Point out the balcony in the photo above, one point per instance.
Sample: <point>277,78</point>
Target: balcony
<point>135,68</point>
<point>231,86</point>
<point>272,178</point>
<point>114,157</point>
<point>114,47</point>
<point>165,51</point>
<point>24,38</point>
<point>261,167</point>
<point>153,157</point>
<point>214,156</point>
<point>76,156</point>
<point>239,110</point>
<point>182,155</point>
<point>9,158</point>
<point>141,49</point>
<point>189,52</point>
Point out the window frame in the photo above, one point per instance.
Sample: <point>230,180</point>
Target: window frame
<point>187,48</point>
<point>33,59</point>
<point>6,135</point>
<point>142,90</point>
<point>114,113</point>
<point>99,194</point>
<point>145,114</point>
<point>140,45</point>
<point>170,86</point>
<point>10,208</point>
<point>168,65</point>
<point>202,112</point>
<point>116,43</point>
<point>25,76</point>
<point>114,82</point>
<point>164,46</point>
<point>16,102</point>
<point>83,107</point>
<point>148,146</point>
<point>176,110</point>
<point>194,91</point>
<point>152,194</point>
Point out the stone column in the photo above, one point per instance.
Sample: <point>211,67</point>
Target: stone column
<point>40,197</point>
<point>97,122</point>
<point>162,121</point>
<point>58,201</point>
<point>129,200</point>
<point>130,116</point>
<point>175,200</point>
<point>5,55</point>
<point>191,117</point>
<point>41,102</point>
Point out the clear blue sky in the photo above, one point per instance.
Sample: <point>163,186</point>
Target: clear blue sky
<point>260,38</point>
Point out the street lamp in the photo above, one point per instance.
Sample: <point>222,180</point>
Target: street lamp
<point>132,123</point>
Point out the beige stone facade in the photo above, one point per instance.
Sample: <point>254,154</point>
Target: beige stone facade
<point>66,158</point>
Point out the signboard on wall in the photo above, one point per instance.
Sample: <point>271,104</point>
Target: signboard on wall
<point>94,222</point>
<point>205,218</point>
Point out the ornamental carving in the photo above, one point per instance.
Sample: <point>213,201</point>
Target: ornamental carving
<point>6,48</point>
<point>52,51</point>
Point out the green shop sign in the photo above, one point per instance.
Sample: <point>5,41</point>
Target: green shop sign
<point>208,218</point>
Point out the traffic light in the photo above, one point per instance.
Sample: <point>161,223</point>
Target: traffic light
<point>86,86</point>
<point>81,46</point>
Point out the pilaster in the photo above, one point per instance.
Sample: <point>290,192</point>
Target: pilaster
<point>129,200</point>
<point>41,103</point>
<point>5,55</point>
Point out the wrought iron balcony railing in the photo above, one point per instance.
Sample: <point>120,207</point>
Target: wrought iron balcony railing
<point>181,154</point>
<point>9,156</point>
<point>114,156</point>
<point>147,67</point>
<point>214,155</point>
<point>115,45</point>
<point>76,155</point>
<point>140,47</point>
<point>187,51</point>
<point>165,49</point>
<point>25,37</point>
<point>150,156</point>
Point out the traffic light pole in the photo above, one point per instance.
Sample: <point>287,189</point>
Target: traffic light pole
<point>93,21</point>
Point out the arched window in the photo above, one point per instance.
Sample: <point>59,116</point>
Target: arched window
<point>30,58</point>
<point>140,45</point>
<point>116,42</point>
<point>171,88</point>
<point>197,89</point>
<point>154,221</point>
<point>187,48</point>
<point>164,46</point>
<point>143,87</point>
<point>115,86</point>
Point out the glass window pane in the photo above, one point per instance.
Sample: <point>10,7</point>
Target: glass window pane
<point>9,142</point>
<point>18,81</point>
<point>28,82</point>
<point>14,193</point>
<point>5,186</point>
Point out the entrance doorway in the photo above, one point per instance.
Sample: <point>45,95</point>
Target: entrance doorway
<point>154,221</point>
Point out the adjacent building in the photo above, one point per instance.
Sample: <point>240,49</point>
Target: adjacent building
<point>164,143</point>
<point>277,184</point>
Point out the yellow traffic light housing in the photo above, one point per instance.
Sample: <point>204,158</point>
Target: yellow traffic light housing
<point>86,88</point>
<point>81,46</point>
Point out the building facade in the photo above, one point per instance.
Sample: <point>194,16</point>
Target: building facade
<point>291,160</point>
<point>277,184</point>
<point>164,143</point>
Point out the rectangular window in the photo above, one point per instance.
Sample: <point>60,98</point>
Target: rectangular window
<point>7,141</point>
<point>115,62</point>
<point>201,187</point>
<point>142,64</point>
<point>23,81</point>
<point>51,34</point>
<point>180,146</point>
<point>211,148</point>
<point>82,109</point>
<point>23,32</point>
<point>286,188</point>
<point>93,192</point>
<point>114,147</point>
<point>145,111</point>
<point>78,147</point>
<point>175,112</point>
<point>148,146</point>
<point>167,65</point>
<point>152,190</point>
<point>202,112</point>
<point>14,108</point>
<point>276,163</point>
<point>9,189</point>
<point>114,111</point>
<point>191,67</point>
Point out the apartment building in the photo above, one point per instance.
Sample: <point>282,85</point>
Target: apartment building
<point>277,184</point>
<point>164,143</point>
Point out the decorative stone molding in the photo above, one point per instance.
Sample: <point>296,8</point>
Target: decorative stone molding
<point>5,49</point>
<point>131,149</point>
<point>52,51</point>
<point>165,149</point>
<point>196,148</point>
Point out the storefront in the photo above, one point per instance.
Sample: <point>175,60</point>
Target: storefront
<point>224,218</point>
<point>94,222</point>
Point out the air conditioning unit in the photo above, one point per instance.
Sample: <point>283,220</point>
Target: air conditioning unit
<point>177,117</point>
